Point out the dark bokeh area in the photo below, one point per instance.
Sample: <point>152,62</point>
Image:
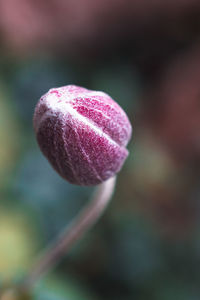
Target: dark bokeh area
<point>146,55</point>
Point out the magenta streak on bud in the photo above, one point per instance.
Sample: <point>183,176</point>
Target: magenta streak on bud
<point>82,133</point>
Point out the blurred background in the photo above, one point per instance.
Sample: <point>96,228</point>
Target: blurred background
<point>146,55</point>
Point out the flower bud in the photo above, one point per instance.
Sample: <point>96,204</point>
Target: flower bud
<point>82,133</point>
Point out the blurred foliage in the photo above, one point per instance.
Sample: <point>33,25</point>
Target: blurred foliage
<point>40,186</point>
<point>145,54</point>
<point>57,289</point>
<point>18,242</point>
<point>52,288</point>
<point>9,135</point>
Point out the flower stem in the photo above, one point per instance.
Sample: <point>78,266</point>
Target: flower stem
<point>86,218</point>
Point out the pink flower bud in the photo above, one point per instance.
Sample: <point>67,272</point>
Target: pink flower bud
<point>82,133</point>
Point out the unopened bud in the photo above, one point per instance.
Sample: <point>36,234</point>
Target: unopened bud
<point>82,133</point>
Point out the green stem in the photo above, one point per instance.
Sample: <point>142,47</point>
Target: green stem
<point>86,218</point>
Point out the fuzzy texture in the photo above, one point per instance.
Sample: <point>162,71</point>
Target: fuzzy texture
<point>82,133</point>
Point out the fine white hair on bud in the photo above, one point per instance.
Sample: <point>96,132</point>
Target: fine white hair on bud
<point>82,133</point>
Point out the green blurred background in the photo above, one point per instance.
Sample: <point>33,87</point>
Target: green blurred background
<point>146,55</point>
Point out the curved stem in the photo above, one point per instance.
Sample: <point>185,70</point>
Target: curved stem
<point>86,218</point>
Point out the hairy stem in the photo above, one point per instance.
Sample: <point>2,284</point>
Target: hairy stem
<point>86,218</point>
